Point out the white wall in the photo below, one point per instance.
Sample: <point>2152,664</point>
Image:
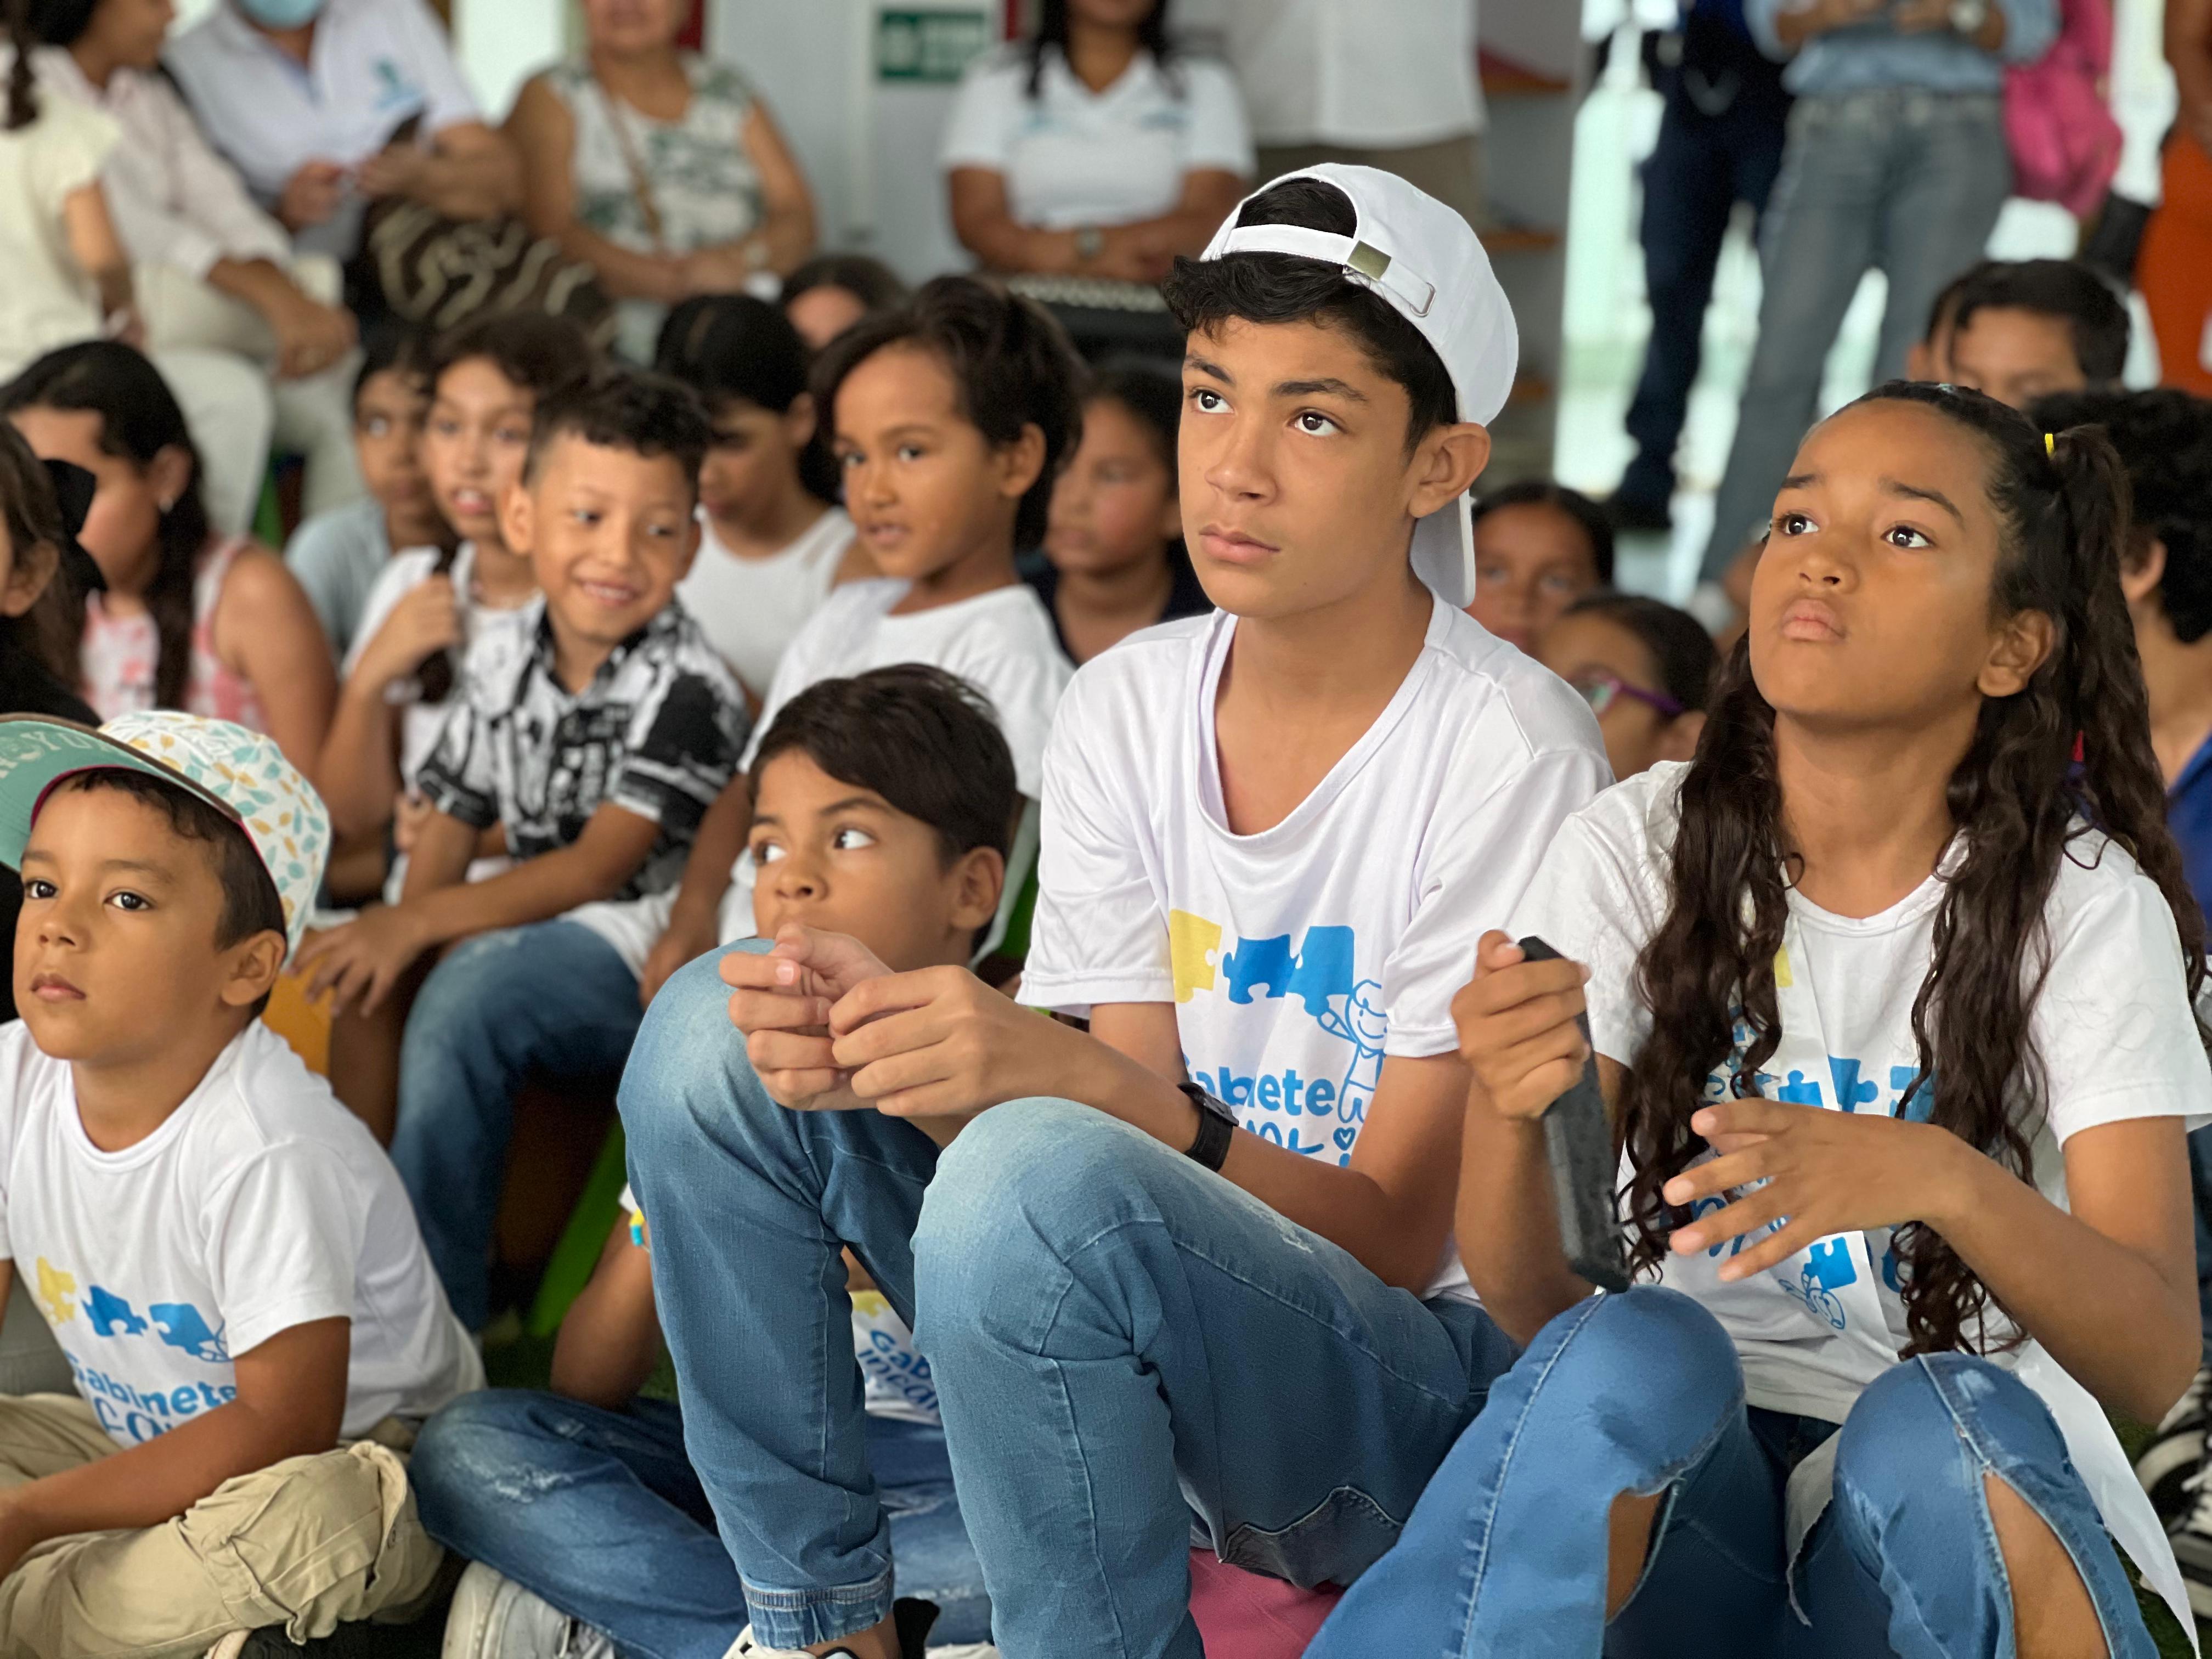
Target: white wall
<point>869,145</point>
<point>503,43</point>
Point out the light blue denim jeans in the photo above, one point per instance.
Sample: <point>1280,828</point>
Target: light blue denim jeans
<point>600,1513</point>
<point>1896,179</point>
<point>553,998</point>
<point>1643,1393</point>
<point>1129,1353</point>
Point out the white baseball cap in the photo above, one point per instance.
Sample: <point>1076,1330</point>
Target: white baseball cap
<point>1426,261</point>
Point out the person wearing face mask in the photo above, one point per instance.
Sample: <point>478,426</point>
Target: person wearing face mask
<point>326,106</point>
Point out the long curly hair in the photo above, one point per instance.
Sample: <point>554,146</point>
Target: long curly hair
<point>2021,802</point>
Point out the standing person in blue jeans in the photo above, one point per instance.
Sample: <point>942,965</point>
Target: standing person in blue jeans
<point>1890,998</point>
<point>1897,162</point>
<point>596,733</point>
<point>1720,143</point>
<point>881,806</point>
<point>1154,1309</point>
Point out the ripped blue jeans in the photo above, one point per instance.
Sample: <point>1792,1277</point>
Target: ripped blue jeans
<point>1644,1393</point>
<point>600,1513</point>
<point>1129,1353</point>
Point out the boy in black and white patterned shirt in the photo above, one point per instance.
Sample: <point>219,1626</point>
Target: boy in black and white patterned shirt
<point>598,734</point>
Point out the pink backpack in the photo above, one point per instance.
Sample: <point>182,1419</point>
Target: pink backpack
<point>2065,143</point>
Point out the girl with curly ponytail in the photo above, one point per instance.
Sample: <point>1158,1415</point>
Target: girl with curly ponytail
<point>1890,992</point>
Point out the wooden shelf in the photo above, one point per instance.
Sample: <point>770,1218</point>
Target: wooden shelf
<point>1519,239</point>
<point>1527,389</point>
<point>1502,77</point>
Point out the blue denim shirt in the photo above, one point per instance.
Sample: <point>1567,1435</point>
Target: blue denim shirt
<point>2189,815</point>
<point>1872,55</point>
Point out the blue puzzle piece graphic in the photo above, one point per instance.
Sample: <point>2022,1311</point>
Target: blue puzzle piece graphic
<point>111,1314</point>
<point>1851,1093</point>
<point>1258,961</point>
<point>1829,1264</point>
<point>1798,1091</point>
<point>183,1326</point>
<point>1323,971</point>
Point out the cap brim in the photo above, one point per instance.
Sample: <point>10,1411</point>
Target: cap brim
<point>38,751</point>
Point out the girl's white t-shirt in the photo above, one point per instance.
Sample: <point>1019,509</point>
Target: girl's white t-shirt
<point>1300,958</point>
<point>1073,157</point>
<point>750,609</point>
<point>45,302</point>
<point>1001,642</point>
<point>260,1205</point>
<point>402,574</point>
<point>2112,1026</point>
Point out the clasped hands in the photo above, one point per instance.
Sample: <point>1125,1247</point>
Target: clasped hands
<point>827,1027</point>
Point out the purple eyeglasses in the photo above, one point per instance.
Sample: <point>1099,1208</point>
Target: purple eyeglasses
<point>1598,689</point>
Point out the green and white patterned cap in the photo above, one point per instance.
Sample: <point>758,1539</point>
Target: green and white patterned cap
<point>241,774</point>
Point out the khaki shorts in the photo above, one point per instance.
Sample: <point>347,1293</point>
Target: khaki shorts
<point>309,1543</point>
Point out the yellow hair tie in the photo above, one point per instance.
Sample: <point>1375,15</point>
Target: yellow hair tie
<point>2049,446</point>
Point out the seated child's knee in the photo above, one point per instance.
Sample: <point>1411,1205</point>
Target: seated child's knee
<point>1021,1179</point>
<point>1662,1337</point>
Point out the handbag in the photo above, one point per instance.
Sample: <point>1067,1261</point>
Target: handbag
<point>2065,144</point>
<point>436,272</point>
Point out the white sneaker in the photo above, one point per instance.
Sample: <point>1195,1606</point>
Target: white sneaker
<point>495,1617</point>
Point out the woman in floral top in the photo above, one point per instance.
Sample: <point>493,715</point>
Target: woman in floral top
<point>659,167</point>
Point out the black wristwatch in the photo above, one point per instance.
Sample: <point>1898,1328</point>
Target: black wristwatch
<point>1216,1124</point>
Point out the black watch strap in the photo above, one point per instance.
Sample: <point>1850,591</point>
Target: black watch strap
<point>1216,1124</point>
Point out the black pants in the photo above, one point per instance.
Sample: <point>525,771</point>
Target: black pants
<point>1701,167</point>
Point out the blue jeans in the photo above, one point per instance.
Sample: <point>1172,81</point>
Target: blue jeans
<point>1644,1393</point>
<point>1896,180</point>
<point>599,1513</point>
<point>1127,1349</point>
<point>1701,167</point>
<point>554,997</point>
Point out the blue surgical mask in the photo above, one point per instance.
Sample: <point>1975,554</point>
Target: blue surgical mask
<point>282,13</point>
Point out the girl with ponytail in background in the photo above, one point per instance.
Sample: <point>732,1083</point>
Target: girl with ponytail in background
<point>1890,996</point>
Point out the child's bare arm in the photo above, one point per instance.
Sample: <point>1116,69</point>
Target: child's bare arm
<point>7,1288</point>
<point>610,1340</point>
<point>96,248</point>
<point>291,1401</point>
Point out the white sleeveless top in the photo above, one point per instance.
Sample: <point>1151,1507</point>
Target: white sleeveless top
<point>750,609</point>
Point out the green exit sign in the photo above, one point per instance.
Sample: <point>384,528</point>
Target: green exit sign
<point>929,47</point>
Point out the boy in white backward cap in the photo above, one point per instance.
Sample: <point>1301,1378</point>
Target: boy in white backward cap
<point>1181,1258</point>
<point>225,1257</point>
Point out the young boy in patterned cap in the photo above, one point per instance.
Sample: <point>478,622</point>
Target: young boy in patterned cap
<point>597,732</point>
<point>226,1259</point>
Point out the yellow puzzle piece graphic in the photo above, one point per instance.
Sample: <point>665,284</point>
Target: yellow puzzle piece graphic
<point>57,1293</point>
<point>1193,952</point>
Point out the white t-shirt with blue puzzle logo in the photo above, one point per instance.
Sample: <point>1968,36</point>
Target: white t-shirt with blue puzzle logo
<point>1300,958</point>
<point>260,1205</point>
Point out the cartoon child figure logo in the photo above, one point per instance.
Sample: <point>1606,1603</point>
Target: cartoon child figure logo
<point>1362,1023</point>
<point>1827,1270</point>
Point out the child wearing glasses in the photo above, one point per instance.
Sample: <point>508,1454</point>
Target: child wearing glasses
<point>1644,668</point>
<point>1538,548</point>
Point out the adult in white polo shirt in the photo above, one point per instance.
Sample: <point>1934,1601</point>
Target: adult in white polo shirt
<point>1380,83</point>
<point>1094,148</point>
<point>304,97</point>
